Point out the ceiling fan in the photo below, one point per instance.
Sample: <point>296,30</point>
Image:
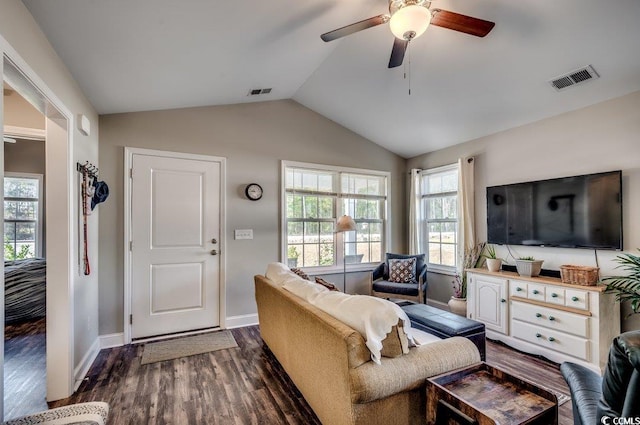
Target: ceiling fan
<point>408,19</point>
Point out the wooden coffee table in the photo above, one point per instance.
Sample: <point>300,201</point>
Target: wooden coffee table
<point>485,395</point>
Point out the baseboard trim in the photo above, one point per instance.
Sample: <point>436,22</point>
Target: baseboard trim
<point>111,340</point>
<point>83,367</point>
<point>241,321</point>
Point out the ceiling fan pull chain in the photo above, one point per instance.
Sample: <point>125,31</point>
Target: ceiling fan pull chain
<point>408,67</point>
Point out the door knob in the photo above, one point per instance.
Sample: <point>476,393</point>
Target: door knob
<point>214,252</point>
<point>214,240</point>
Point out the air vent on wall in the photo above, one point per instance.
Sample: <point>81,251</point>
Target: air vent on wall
<point>573,78</point>
<point>255,92</point>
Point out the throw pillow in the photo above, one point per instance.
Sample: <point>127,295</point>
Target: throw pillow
<point>402,270</point>
<point>330,286</point>
<point>300,273</point>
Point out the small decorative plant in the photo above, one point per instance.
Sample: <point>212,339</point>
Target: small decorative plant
<point>626,288</point>
<point>493,262</point>
<point>490,253</point>
<point>459,289</point>
<point>528,266</point>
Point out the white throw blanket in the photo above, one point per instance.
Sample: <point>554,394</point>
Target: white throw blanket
<point>372,317</point>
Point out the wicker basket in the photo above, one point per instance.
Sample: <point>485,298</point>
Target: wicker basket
<point>579,275</point>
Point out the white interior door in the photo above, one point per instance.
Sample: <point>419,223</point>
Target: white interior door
<point>175,233</point>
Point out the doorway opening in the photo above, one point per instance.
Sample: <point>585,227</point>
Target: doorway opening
<point>27,233</point>
<point>24,256</point>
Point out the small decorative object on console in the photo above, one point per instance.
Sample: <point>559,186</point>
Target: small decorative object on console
<point>579,275</point>
<point>528,266</point>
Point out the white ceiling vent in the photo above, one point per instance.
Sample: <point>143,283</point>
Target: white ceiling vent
<point>573,78</point>
<point>255,92</point>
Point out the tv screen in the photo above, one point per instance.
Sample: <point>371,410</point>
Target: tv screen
<point>572,212</point>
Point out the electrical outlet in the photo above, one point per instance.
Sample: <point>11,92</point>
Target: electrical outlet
<point>243,234</point>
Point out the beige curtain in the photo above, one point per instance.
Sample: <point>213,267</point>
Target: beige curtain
<point>466,198</point>
<point>415,231</point>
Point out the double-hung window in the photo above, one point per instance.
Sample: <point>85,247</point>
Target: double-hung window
<point>22,216</point>
<point>314,197</point>
<point>439,207</point>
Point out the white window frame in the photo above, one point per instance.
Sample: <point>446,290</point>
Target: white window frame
<point>338,241</point>
<point>424,222</point>
<point>39,177</point>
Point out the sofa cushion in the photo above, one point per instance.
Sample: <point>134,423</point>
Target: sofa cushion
<point>402,270</point>
<point>410,289</point>
<point>390,256</point>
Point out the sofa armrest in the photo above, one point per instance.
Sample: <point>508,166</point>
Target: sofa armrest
<point>371,382</point>
<point>422,275</point>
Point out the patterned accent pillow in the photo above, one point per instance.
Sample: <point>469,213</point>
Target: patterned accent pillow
<point>402,270</point>
<point>300,273</point>
<point>330,286</point>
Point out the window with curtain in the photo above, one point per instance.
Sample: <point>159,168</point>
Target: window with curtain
<point>22,202</point>
<point>315,196</point>
<point>439,217</point>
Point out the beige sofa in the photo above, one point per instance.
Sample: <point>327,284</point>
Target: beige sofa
<point>331,365</point>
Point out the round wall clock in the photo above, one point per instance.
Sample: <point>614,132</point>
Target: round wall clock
<point>253,191</point>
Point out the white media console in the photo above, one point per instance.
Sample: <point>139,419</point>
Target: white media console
<point>543,316</point>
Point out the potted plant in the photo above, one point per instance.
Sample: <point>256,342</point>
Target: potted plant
<point>458,302</point>
<point>292,256</point>
<point>493,262</point>
<point>472,258</point>
<point>626,288</point>
<point>528,266</point>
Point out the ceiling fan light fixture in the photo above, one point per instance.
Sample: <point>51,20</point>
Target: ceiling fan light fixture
<point>410,22</point>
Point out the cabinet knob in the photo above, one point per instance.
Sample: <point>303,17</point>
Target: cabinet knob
<point>503,300</point>
<point>574,299</point>
<point>214,252</point>
<point>552,318</point>
<point>551,339</point>
<point>538,315</point>
<point>536,292</point>
<point>518,289</point>
<point>554,295</point>
<point>538,336</point>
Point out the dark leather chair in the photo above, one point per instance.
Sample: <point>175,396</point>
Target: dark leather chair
<point>414,291</point>
<point>617,393</point>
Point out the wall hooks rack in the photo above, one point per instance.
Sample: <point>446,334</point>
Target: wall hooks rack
<point>88,168</point>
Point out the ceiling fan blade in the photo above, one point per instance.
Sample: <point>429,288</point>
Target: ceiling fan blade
<point>457,22</point>
<point>397,54</point>
<point>358,26</point>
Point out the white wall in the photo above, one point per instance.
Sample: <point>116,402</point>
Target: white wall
<point>602,137</point>
<point>21,35</point>
<point>254,137</point>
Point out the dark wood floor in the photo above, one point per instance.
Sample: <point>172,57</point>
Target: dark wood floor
<point>24,368</point>
<point>243,385</point>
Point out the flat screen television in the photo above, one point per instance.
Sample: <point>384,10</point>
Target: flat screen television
<point>573,212</point>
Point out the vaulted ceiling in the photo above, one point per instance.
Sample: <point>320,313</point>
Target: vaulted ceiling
<point>160,54</point>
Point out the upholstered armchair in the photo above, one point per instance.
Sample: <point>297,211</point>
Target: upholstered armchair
<point>90,413</point>
<point>400,276</point>
<point>614,395</point>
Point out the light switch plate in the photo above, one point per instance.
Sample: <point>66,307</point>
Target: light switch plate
<point>243,234</point>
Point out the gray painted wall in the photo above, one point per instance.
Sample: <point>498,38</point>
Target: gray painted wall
<point>602,137</point>
<point>254,138</point>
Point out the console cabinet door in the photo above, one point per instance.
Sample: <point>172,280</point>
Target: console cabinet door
<point>491,303</point>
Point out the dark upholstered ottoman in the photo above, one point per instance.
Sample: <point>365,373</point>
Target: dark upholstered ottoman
<point>444,324</point>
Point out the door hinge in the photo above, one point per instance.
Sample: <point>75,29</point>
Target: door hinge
<point>130,173</point>
<point>131,319</point>
<point>130,245</point>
